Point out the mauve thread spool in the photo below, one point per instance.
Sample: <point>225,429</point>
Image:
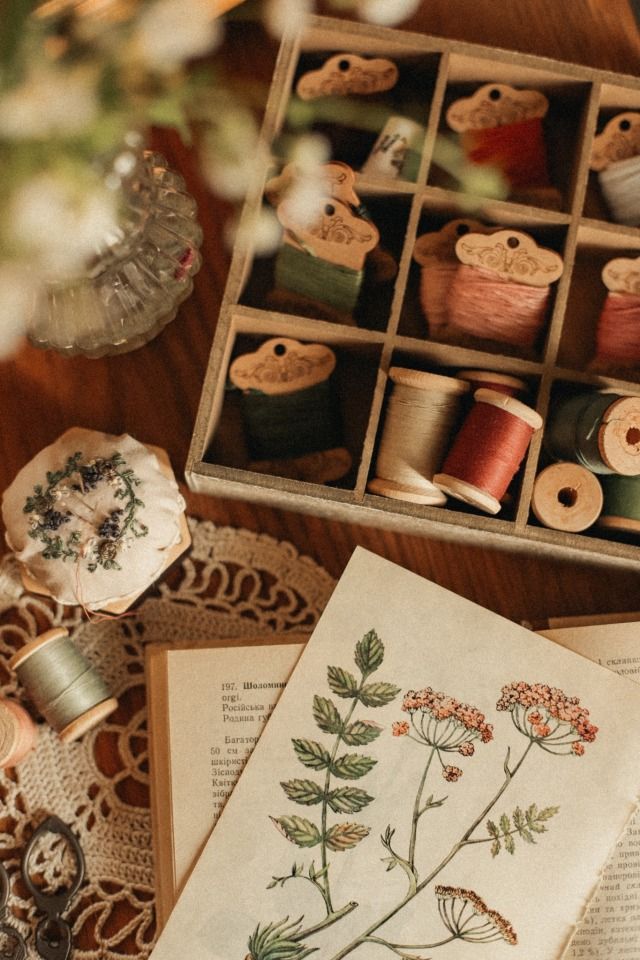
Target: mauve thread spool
<point>490,380</point>
<point>65,688</point>
<point>422,412</point>
<point>567,496</point>
<point>618,333</point>
<point>488,450</point>
<point>18,733</point>
<point>599,430</point>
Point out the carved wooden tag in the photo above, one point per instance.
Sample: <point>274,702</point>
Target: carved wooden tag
<point>282,366</point>
<point>334,179</point>
<point>622,275</point>
<point>441,244</point>
<point>347,73</point>
<point>496,105</point>
<point>619,140</point>
<point>511,255</point>
<point>330,231</point>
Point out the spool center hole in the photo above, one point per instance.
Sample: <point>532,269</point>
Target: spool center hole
<point>633,436</point>
<point>568,496</point>
<point>279,349</point>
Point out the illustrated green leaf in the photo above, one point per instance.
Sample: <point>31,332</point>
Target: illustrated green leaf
<point>509,843</point>
<point>547,813</point>
<point>352,766</point>
<point>342,836</point>
<point>361,732</point>
<point>342,683</point>
<point>348,799</point>
<point>493,830</point>
<point>326,715</point>
<point>526,824</point>
<point>369,653</point>
<point>302,832</point>
<point>378,694</point>
<point>505,824</point>
<point>311,754</point>
<point>495,848</point>
<point>303,791</point>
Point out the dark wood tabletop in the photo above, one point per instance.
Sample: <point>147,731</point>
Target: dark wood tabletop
<point>152,393</point>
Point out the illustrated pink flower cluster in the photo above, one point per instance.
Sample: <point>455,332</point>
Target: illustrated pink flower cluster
<point>445,723</point>
<point>548,717</point>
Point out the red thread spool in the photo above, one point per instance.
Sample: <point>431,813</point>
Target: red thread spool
<point>618,336</point>
<point>486,306</point>
<point>490,380</point>
<point>488,450</point>
<point>518,150</point>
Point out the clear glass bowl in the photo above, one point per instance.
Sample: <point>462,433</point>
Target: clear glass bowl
<point>136,284</point>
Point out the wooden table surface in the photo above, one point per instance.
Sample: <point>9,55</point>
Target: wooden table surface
<point>153,392</point>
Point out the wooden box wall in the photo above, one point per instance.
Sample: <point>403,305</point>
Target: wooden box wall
<point>392,331</point>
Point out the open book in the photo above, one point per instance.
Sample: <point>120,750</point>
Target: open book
<point>433,777</point>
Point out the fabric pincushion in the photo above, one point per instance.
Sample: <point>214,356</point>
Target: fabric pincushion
<point>94,518</point>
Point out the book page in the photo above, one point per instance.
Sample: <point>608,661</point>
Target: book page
<point>611,926</point>
<point>219,701</point>
<point>433,777</point>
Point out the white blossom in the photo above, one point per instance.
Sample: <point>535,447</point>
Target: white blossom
<point>280,16</point>
<point>170,32</point>
<point>62,223</point>
<point>49,103</point>
<point>229,153</point>
<point>17,293</point>
<point>261,234</point>
<point>310,150</point>
<point>387,12</point>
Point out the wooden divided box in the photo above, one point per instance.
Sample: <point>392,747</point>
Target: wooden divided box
<point>390,329</point>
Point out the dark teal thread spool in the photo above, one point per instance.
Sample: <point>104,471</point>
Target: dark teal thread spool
<point>308,276</point>
<point>621,510</point>
<point>285,426</point>
<point>600,431</point>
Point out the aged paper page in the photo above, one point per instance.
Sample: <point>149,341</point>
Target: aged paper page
<point>433,778</point>
<point>611,926</point>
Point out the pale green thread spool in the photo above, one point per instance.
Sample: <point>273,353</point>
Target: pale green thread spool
<point>600,431</point>
<point>309,276</point>
<point>64,686</point>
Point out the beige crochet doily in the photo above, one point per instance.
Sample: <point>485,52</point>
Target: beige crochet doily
<point>232,583</point>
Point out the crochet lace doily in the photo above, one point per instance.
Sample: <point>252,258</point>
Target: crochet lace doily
<point>231,583</point>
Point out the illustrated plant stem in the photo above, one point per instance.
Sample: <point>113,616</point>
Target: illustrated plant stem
<point>396,947</point>
<point>417,812</point>
<point>509,775</point>
<point>325,805</point>
<point>328,920</point>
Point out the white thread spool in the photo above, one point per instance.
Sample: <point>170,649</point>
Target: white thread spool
<point>421,417</point>
<point>620,185</point>
<point>389,154</point>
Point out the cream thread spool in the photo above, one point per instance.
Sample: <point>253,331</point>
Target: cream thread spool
<point>567,496</point>
<point>490,380</point>
<point>422,413</point>
<point>393,153</point>
<point>65,688</point>
<point>18,733</point>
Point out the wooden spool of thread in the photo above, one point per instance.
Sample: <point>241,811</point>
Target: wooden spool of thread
<point>621,510</point>
<point>18,733</point>
<point>422,413</point>
<point>601,431</point>
<point>490,380</point>
<point>567,496</point>
<point>68,692</point>
<point>488,450</point>
<point>618,333</point>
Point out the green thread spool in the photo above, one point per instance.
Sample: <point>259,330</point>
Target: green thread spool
<point>309,276</point>
<point>621,510</point>
<point>283,426</point>
<point>600,431</point>
<point>63,685</point>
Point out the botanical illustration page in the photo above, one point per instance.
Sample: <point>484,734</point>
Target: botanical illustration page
<point>433,779</point>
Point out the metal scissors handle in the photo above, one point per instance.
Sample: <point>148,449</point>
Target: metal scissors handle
<point>53,934</point>
<point>16,947</point>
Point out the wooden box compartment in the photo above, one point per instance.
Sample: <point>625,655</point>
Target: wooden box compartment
<point>388,327</point>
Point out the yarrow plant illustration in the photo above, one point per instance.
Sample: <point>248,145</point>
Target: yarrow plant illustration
<point>440,725</point>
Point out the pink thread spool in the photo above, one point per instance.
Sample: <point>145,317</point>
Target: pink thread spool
<point>18,733</point>
<point>488,450</point>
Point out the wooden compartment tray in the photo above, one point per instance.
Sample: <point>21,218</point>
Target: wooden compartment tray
<point>390,329</point>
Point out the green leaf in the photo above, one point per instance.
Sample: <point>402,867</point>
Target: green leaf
<point>326,715</point>
<point>342,683</point>
<point>311,754</point>
<point>342,836</point>
<point>547,813</point>
<point>348,799</point>
<point>509,843</point>
<point>369,653</point>
<point>495,848</point>
<point>378,694</point>
<point>352,766</point>
<point>361,732</point>
<point>300,831</point>
<point>493,830</point>
<point>505,824</point>
<point>303,791</point>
